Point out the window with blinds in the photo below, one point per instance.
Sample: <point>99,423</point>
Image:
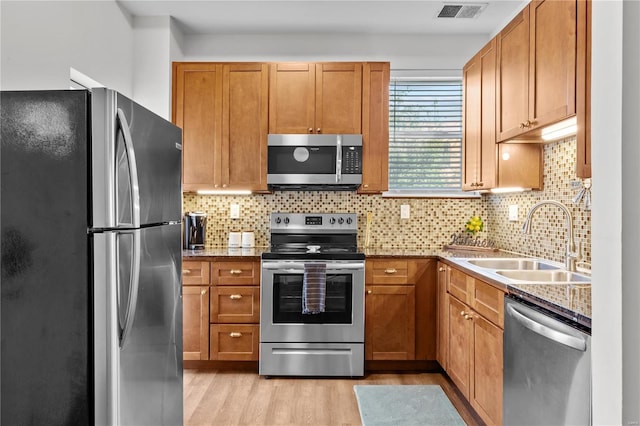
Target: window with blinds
<point>425,136</point>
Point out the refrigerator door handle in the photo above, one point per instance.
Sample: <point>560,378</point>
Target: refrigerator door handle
<point>133,168</point>
<point>132,300</point>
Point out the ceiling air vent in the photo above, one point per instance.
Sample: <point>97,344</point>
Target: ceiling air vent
<point>464,10</point>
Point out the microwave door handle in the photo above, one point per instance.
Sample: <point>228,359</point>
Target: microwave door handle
<point>339,158</point>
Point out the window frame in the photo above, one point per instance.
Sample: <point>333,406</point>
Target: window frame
<point>435,76</point>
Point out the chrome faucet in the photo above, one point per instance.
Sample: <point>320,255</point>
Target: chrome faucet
<point>571,253</point>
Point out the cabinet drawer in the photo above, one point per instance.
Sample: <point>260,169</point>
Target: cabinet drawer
<point>387,272</point>
<point>234,342</point>
<point>195,273</point>
<point>235,305</point>
<point>460,285</point>
<point>235,273</point>
<point>488,301</point>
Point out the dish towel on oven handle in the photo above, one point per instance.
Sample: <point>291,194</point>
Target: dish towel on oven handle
<point>314,288</point>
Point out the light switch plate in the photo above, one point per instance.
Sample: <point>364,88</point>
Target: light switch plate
<point>234,211</point>
<point>513,212</point>
<point>405,211</point>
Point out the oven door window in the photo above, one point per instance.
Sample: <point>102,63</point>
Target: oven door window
<point>287,300</point>
<point>302,160</point>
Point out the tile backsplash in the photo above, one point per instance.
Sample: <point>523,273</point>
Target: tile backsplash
<point>432,221</point>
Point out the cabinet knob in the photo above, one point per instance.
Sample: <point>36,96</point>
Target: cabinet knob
<point>310,129</point>
<point>390,271</point>
<point>480,184</point>
<point>369,291</point>
<point>235,297</point>
<point>215,185</point>
<point>224,185</point>
<point>468,317</point>
<point>235,271</point>
<point>441,269</point>
<point>203,292</point>
<point>318,130</point>
<point>234,334</point>
<point>463,313</point>
<point>366,185</point>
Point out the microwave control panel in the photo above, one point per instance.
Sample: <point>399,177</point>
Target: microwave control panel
<point>352,160</point>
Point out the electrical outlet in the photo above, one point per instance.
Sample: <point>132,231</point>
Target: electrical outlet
<point>234,211</point>
<point>513,212</point>
<point>405,211</point>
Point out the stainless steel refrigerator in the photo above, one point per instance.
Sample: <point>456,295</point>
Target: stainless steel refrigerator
<point>91,302</point>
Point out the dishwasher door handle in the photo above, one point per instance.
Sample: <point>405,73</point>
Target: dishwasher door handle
<point>548,332</point>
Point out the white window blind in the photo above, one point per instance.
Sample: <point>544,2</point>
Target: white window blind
<point>425,136</point>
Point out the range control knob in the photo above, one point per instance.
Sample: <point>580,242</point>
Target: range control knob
<point>349,220</point>
<point>278,220</point>
<point>341,221</point>
<point>332,220</point>
<point>286,220</point>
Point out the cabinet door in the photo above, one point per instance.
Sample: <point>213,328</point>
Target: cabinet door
<point>375,128</point>
<point>552,62</point>
<point>292,98</point>
<point>390,322</point>
<point>235,342</point>
<point>512,93</point>
<point>487,362</point>
<point>479,137</point>
<point>195,322</point>
<point>245,126</point>
<point>338,98</point>
<point>459,360</point>
<point>197,107</point>
<point>235,305</point>
<point>442,317</point>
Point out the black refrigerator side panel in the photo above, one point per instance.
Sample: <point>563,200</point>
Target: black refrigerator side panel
<point>45,311</point>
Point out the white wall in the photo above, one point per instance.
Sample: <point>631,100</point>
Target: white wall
<point>152,64</point>
<point>42,40</point>
<point>403,51</point>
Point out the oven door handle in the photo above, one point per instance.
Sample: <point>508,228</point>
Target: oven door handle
<point>296,267</point>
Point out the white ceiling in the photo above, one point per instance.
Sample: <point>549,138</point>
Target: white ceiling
<point>324,16</point>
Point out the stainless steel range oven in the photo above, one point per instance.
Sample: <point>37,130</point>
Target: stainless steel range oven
<point>326,343</point>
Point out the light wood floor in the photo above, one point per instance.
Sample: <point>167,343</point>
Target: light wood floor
<point>214,397</point>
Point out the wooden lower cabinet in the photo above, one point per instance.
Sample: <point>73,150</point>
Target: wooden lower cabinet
<point>235,342</point>
<point>195,322</point>
<point>474,327</point>
<point>390,322</point>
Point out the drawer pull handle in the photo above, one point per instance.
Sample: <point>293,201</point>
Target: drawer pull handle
<point>235,271</point>
<point>235,296</point>
<point>390,271</point>
<point>186,271</point>
<point>235,334</point>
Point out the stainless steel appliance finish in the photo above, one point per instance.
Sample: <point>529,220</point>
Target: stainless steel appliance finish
<point>547,368</point>
<point>330,343</point>
<point>91,284</point>
<point>314,162</point>
<point>195,230</point>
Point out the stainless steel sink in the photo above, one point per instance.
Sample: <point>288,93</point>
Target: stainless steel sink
<point>512,264</point>
<point>544,276</point>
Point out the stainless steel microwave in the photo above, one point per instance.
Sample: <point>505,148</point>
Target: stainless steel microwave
<point>314,162</point>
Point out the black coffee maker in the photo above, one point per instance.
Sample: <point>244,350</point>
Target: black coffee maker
<point>195,228</point>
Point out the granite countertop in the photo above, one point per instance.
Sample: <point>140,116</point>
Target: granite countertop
<point>569,300</point>
<point>572,301</point>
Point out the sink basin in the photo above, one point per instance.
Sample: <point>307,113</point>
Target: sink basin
<point>544,276</point>
<point>513,264</point>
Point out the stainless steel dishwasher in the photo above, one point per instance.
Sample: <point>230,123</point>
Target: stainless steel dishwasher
<point>547,368</point>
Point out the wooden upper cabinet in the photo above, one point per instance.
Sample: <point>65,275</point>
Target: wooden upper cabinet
<point>197,110</point>
<point>315,98</point>
<point>223,112</point>
<point>375,128</point>
<point>536,83</point>
<point>245,89</point>
<point>479,136</point>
